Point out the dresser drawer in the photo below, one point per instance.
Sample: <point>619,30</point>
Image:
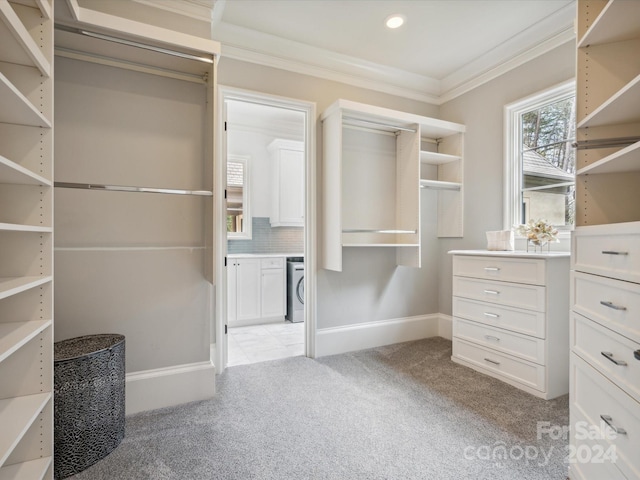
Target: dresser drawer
<point>522,346</point>
<point>518,270</point>
<point>613,303</point>
<point>592,341</point>
<point>514,319</point>
<point>595,397</point>
<point>611,250</point>
<point>515,369</point>
<point>510,294</point>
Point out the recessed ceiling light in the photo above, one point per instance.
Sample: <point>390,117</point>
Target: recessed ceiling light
<point>394,21</point>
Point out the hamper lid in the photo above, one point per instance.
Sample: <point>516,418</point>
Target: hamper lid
<point>87,345</point>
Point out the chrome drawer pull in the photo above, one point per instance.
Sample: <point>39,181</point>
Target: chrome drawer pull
<point>609,421</point>
<point>492,315</point>
<point>491,337</point>
<point>492,269</point>
<point>613,252</point>
<point>492,292</point>
<point>492,361</point>
<point>609,356</point>
<point>611,305</point>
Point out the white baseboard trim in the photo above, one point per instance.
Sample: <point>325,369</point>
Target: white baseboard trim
<point>164,387</point>
<point>332,341</point>
<point>445,326</point>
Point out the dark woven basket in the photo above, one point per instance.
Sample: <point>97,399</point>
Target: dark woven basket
<point>89,408</point>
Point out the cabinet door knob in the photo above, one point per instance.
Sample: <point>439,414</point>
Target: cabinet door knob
<point>637,354</point>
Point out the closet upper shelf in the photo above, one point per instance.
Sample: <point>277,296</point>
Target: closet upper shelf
<point>434,158</point>
<point>16,44</point>
<point>617,109</point>
<point>17,109</point>
<point>12,173</point>
<point>622,161</point>
<point>616,22</point>
<point>43,5</point>
<point>13,285</point>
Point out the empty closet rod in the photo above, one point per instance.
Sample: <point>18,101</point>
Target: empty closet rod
<point>604,142</point>
<point>378,124</point>
<point>360,230</point>
<point>122,188</point>
<point>145,46</point>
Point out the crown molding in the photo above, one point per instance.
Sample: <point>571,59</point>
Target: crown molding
<point>268,50</point>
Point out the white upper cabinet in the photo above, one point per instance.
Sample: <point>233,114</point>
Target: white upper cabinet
<point>287,183</point>
<point>375,161</point>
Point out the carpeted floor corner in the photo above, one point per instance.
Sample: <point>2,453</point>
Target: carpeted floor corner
<point>403,411</point>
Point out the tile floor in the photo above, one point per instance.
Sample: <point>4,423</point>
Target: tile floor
<point>258,343</point>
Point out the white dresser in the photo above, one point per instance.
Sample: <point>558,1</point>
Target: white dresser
<point>605,341</point>
<point>511,317</point>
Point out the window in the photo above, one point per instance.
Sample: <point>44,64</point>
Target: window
<point>540,158</point>
<point>238,216</point>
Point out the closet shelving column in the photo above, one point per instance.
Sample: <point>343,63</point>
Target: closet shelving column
<point>26,230</point>
<point>605,325</point>
<point>375,161</point>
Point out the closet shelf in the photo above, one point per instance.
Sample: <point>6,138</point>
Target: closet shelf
<point>13,285</point>
<point>16,108</point>
<point>11,172</point>
<point>16,416</point>
<point>622,107</point>
<point>16,44</point>
<point>33,469</point>
<point>14,335</point>
<point>434,158</point>
<point>43,5</point>
<point>616,22</point>
<point>365,230</point>
<point>440,185</point>
<point>346,244</point>
<point>625,160</point>
<point>16,227</point>
<point>132,189</point>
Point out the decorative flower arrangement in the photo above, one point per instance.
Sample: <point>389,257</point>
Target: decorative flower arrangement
<point>538,232</point>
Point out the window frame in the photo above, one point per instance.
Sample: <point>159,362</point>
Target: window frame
<point>246,233</point>
<point>513,169</point>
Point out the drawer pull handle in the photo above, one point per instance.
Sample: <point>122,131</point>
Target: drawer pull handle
<point>492,269</point>
<point>491,337</point>
<point>492,292</point>
<point>613,252</point>
<point>492,361</point>
<point>492,315</point>
<point>611,305</point>
<point>637,354</point>
<point>609,356</point>
<point>609,421</point>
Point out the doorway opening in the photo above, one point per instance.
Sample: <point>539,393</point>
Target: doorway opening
<point>264,306</point>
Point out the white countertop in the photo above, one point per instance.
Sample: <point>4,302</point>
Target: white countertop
<point>264,255</point>
<point>511,253</point>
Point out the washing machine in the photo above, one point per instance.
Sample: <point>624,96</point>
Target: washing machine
<point>295,289</point>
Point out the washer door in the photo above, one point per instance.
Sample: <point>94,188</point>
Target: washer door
<point>300,290</point>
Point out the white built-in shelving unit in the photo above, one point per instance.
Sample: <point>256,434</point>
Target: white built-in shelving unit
<point>26,230</point>
<point>605,277</point>
<point>375,160</point>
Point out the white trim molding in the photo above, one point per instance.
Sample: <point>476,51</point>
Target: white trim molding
<point>350,338</point>
<point>165,387</point>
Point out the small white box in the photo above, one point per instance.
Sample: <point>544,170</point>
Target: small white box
<point>500,240</point>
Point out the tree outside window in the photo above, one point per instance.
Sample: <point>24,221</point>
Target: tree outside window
<point>540,159</point>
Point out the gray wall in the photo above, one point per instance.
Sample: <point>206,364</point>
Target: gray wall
<point>482,111</point>
<point>371,286</point>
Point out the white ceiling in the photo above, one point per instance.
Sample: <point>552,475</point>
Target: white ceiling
<point>445,47</point>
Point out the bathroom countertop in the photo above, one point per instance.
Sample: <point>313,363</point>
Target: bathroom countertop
<point>263,255</point>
